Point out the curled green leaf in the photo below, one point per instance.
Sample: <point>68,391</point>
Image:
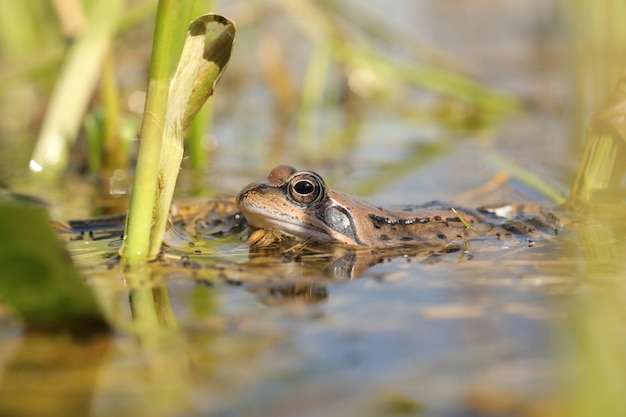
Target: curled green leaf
<point>219,35</point>
<point>203,60</point>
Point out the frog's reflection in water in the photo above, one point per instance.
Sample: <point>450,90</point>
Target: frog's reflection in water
<point>280,267</point>
<point>297,272</point>
<point>281,293</point>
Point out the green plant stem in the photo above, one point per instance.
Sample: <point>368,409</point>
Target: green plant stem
<point>599,42</point>
<point>446,83</point>
<point>73,91</point>
<point>200,127</point>
<point>173,133</point>
<point>114,152</point>
<point>172,19</point>
<point>601,172</point>
<point>203,123</point>
<point>48,57</point>
<point>206,52</point>
<point>22,31</point>
<point>532,180</point>
<point>312,97</point>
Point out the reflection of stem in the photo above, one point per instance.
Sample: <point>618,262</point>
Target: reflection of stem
<point>163,307</point>
<point>597,323</point>
<point>150,306</point>
<point>162,348</point>
<point>144,310</point>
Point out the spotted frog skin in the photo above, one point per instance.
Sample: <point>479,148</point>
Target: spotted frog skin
<point>298,203</point>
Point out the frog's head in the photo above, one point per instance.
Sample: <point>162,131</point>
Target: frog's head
<point>299,204</point>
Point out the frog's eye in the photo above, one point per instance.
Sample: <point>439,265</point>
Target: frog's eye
<point>304,187</point>
<point>307,188</point>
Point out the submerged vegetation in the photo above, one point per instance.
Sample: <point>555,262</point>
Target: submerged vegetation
<point>341,86</point>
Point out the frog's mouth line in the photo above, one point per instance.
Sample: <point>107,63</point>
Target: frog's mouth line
<point>284,224</point>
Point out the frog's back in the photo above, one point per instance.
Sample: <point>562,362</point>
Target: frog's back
<point>437,222</point>
<point>429,223</point>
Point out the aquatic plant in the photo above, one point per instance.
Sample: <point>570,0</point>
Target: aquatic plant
<point>177,90</point>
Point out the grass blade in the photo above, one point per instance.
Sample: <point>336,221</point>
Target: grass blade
<point>172,16</point>
<point>73,90</point>
<point>601,173</point>
<point>202,61</point>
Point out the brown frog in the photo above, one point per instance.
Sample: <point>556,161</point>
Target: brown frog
<point>298,203</point>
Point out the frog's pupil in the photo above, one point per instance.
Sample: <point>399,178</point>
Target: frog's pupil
<point>304,187</point>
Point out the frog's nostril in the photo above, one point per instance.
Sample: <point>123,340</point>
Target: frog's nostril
<point>262,189</point>
<point>248,193</point>
<point>242,197</point>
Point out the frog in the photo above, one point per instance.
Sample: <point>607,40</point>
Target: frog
<point>299,204</point>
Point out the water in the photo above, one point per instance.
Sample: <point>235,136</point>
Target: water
<point>269,334</point>
<point>230,332</point>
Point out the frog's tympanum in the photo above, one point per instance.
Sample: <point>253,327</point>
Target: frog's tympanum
<point>298,203</point>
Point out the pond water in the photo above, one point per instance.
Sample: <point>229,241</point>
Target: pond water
<point>480,332</point>
<point>243,331</point>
